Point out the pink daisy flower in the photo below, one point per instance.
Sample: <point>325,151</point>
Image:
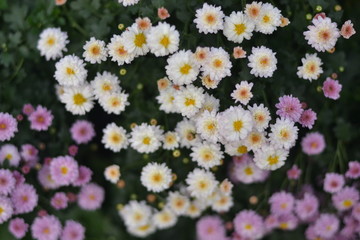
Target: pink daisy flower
<point>163,13</point>
<point>238,52</point>
<point>19,178</point>
<point>311,234</point>
<point>313,143</point>
<point>29,153</point>
<point>59,201</point>
<point>91,196</point>
<point>143,23</point>
<point>6,209</point>
<point>271,222</point>
<point>307,207</point>
<point>294,172</point>
<point>18,227</point>
<point>40,119</point>
<point>28,109</point>
<point>347,29</point>
<point>73,231</point>
<point>10,153</point>
<point>282,203</point>
<point>72,150</point>
<point>333,182</point>
<point>7,182</point>
<point>308,118</point>
<point>64,170</point>
<point>84,177</point>
<point>242,92</point>
<point>289,107</point>
<point>46,228</point>
<point>332,88</point>
<point>82,131</point>
<point>8,126</point>
<point>346,198</point>
<point>354,170</point>
<point>45,178</point>
<point>326,225</point>
<point>210,228</point>
<point>356,212</point>
<point>24,198</point>
<point>287,222</point>
<point>249,224</point>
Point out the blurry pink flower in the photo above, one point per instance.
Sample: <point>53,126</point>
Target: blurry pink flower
<point>307,207</point>
<point>313,143</point>
<point>287,222</point>
<point>308,118</point>
<point>84,177</point>
<point>333,182</point>
<point>24,198</point>
<point>40,119</point>
<point>91,196</point>
<point>289,107</point>
<point>210,228</point>
<point>82,131</point>
<point>238,52</point>
<point>28,109</point>
<point>322,15</point>
<point>8,126</point>
<point>347,29</point>
<point>60,2</point>
<point>294,172</point>
<point>29,152</point>
<point>18,227</point>
<point>163,13</point>
<point>282,203</point>
<point>356,212</point>
<point>73,231</point>
<point>143,23</point>
<point>46,228</point>
<point>73,149</point>
<point>249,224</point>
<point>354,170</point>
<point>326,225</point>
<point>59,201</point>
<point>332,88</point>
<point>346,198</point>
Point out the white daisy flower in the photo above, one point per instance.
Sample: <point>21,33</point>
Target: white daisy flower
<point>242,92</point>
<point>171,140</point>
<point>209,19</point>
<point>235,123</point>
<point>126,3</point>
<point>323,35</point>
<point>237,148</point>
<point>269,19</point>
<point>311,67</point>
<point>95,51</point>
<point>146,138</point>
<point>166,100</point>
<point>207,125</point>
<point>201,183</point>
<point>114,102</point>
<point>254,140</point>
<point>114,137</point>
<point>112,173</point>
<point>52,43</point>
<point>210,104</point>
<point>222,203</point>
<point>143,230</point>
<point>252,10</point>
<point>262,62</point>
<point>163,39</point>
<point>60,92</point>
<point>207,155</point>
<point>135,41</point>
<point>156,177</point>
<point>136,214</point>
<point>261,116</point>
<point>181,68</point>
<point>177,202</point>
<point>70,71</point>
<point>238,27</point>
<point>10,153</point>
<point>78,100</point>
<point>208,82</point>
<point>195,209</point>
<point>225,187</point>
<point>218,64</point>
<point>189,100</point>
<point>117,51</point>
<point>270,158</point>
<point>165,219</point>
<point>105,83</point>
<point>283,133</point>
<point>186,130</point>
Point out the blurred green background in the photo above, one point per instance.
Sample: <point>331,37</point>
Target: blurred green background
<point>25,77</point>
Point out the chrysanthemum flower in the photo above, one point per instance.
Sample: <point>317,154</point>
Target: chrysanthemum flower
<point>242,92</point>
<point>73,231</point>
<point>91,196</point>
<point>332,88</point>
<point>270,158</point>
<point>6,209</point>
<point>261,116</point>
<point>182,68</point>
<point>46,228</point>
<point>8,126</point>
<point>308,118</point>
<point>95,51</point>
<point>249,224</point>
<point>163,39</point>
<point>166,100</point>
<point>163,13</point>
<point>143,23</point>
<point>24,198</point>
<point>7,182</point>
<point>127,3</point>
<point>29,153</point>
<point>207,155</point>
<point>217,65</point>
<point>115,137</point>
<point>311,67</point>
<point>52,43</point>
<point>70,71</point>
<point>10,153</point>
<point>156,177</point>
<point>326,225</point>
<point>178,203</point>
<point>45,179</point>
<point>18,227</point>
<point>210,228</point>
<point>262,62</point>
<point>313,143</point>
<point>346,198</point>
<point>269,19</point>
<point>209,19</point>
<point>164,219</point>
<point>294,172</point>
<point>333,182</point>
<point>117,51</point>
<point>136,214</point>
<point>40,119</point>
<point>187,133</point>
<point>201,183</point>
<point>82,131</point>
<point>104,84</point>
<point>239,52</point>
<point>64,170</point>
<point>283,133</point>
<point>282,203</point>
<point>84,177</point>
<point>112,173</point>
<point>347,29</point>
<point>253,10</point>
<point>207,125</point>
<point>78,100</point>
<point>287,222</point>
<point>307,207</point>
<point>114,102</point>
<point>238,27</point>
<point>59,201</point>
<point>189,100</point>
<point>354,170</point>
<point>146,138</point>
<point>171,140</point>
<point>222,203</point>
<point>135,41</point>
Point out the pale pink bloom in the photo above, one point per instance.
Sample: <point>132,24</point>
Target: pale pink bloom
<point>294,172</point>
<point>143,23</point>
<point>347,29</point>
<point>18,227</point>
<point>163,13</point>
<point>313,143</point>
<point>60,2</point>
<point>354,170</point>
<point>307,118</point>
<point>239,52</point>
<point>332,88</point>
<point>333,182</point>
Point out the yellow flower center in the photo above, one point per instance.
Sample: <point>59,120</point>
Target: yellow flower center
<point>264,61</point>
<point>115,102</point>
<point>237,125</point>
<point>248,226</point>
<point>70,71</point>
<point>211,126</point>
<point>121,51</point>
<point>210,19</point>
<point>249,171</point>
<point>1,211</point>
<point>79,99</point>
<point>157,178</point>
<point>266,19</point>
<point>139,40</point>
<point>284,134</point>
<point>311,67</point>
<point>146,140</point>
<point>272,160</point>
<point>217,63</point>
<point>283,225</point>
<point>106,87</point>
<point>50,41</point>
<point>64,170</point>
<point>95,50</point>
<point>202,185</point>
<point>46,230</point>
<point>242,149</point>
<point>347,203</point>
<point>207,155</point>
<point>185,69</point>
<point>165,41</point>
<point>239,28</point>
<point>116,138</point>
<point>170,139</point>
<point>189,102</point>
<point>144,228</point>
<point>2,126</point>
